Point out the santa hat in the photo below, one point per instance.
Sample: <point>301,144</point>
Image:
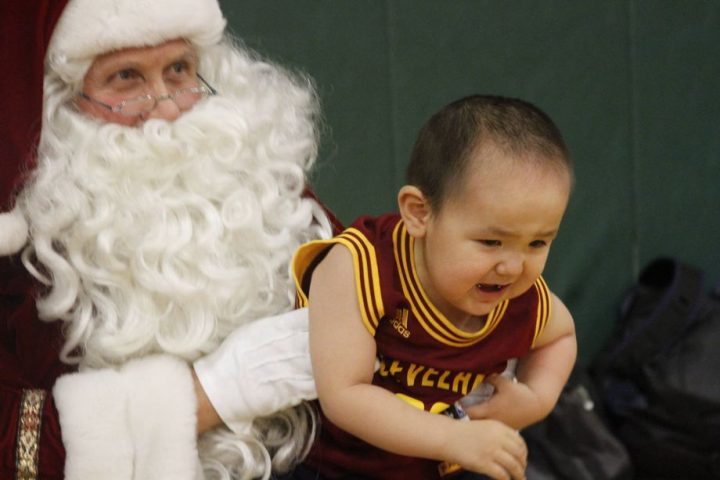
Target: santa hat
<point>64,31</point>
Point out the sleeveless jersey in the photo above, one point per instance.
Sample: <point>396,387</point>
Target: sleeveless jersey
<point>424,358</point>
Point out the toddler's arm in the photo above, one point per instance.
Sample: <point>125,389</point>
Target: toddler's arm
<point>343,354</point>
<point>541,375</point>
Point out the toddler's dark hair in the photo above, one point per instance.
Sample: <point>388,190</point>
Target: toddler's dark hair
<point>447,140</point>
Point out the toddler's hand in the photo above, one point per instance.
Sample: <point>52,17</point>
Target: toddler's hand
<point>488,447</point>
<point>513,403</point>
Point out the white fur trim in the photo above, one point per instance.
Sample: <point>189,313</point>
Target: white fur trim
<point>162,414</point>
<point>92,408</point>
<point>136,424</point>
<point>13,232</point>
<point>90,27</point>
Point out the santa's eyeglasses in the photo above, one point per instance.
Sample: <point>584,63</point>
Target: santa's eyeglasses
<point>184,98</point>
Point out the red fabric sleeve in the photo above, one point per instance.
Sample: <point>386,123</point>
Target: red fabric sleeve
<point>28,362</point>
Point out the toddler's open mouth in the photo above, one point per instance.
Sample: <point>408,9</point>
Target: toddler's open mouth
<point>487,287</point>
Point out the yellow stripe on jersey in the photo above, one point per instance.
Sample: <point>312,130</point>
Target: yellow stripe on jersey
<point>543,308</point>
<point>367,278</point>
<point>301,260</point>
<point>433,321</point>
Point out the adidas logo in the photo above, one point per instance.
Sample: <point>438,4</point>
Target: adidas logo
<point>400,322</point>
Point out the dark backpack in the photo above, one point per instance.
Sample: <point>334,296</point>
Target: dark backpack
<point>573,442</point>
<point>659,376</point>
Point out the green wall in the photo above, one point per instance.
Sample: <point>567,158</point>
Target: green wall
<point>632,84</point>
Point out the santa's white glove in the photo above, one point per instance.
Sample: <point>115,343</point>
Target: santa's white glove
<point>261,368</point>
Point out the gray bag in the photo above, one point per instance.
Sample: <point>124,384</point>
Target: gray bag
<point>574,443</point>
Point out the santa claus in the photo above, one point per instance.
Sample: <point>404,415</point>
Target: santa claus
<point>141,240</point>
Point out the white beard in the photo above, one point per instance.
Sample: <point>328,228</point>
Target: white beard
<point>165,238</point>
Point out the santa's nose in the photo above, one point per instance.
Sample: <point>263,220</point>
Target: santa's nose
<point>165,106</point>
<point>166,109</point>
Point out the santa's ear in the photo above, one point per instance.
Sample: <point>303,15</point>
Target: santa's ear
<point>414,209</point>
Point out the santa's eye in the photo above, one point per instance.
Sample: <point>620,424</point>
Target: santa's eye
<point>126,74</point>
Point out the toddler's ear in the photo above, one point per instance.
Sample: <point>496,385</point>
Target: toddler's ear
<point>414,209</point>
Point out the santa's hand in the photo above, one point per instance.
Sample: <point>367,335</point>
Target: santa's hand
<point>261,368</point>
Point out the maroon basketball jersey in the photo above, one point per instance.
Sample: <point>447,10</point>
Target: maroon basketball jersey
<point>424,358</point>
